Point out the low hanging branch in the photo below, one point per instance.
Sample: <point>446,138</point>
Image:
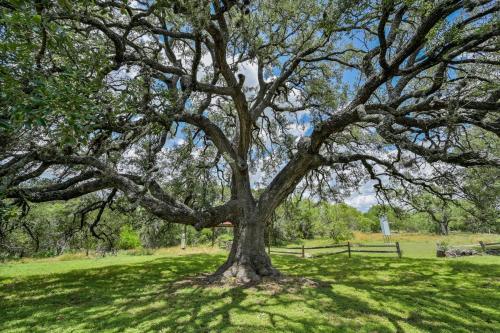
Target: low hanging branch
<point>162,88</point>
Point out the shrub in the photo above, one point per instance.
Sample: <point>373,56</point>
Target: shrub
<point>336,222</point>
<point>224,241</point>
<point>129,239</point>
<point>442,246</point>
<point>340,232</point>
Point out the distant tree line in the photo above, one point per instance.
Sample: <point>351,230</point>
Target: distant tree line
<point>49,229</point>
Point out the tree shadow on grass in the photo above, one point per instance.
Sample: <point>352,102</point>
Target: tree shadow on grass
<point>361,294</point>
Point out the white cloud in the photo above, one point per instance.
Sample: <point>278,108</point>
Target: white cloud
<point>177,141</point>
<point>297,130</point>
<point>249,69</point>
<point>364,198</point>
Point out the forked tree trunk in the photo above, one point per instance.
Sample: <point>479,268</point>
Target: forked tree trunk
<point>248,260</point>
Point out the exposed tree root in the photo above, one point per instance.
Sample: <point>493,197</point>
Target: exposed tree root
<point>245,270</point>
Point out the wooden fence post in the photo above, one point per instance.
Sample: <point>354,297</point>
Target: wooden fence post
<point>303,252</point>
<point>482,246</point>
<point>268,248</point>
<point>398,249</point>
<point>349,248</point>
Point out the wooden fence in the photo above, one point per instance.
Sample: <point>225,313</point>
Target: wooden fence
<point>350,248</point>
<point>489,246</point>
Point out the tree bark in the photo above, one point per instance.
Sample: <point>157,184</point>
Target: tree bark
<point>444,228</point>
<point>247,261</point>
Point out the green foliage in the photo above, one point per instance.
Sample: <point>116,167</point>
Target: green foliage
<point>156,233</point>
<point>129,239</point>
<point>482,194</point>
<point>7,212</point>
<point>225,237</point>
<point>53,79</point>
<point>295,219</point>
<point>442,246</point>
<point>338,221</point>
<point>304,219</point>
<point>63,89</point>
<point>399,219</point>
<point>201,237</point>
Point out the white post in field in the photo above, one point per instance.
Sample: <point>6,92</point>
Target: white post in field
<point>183,238</point>
<point>384,225</point>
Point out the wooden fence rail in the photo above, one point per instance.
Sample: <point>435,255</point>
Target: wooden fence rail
<point>490,243</point>
<point>350,249</point>
<point>450,250</point>
<point>374,251</point>
<point>330,253</point>
<point>374,245</point>
<point>321,247</point>
<point>492,246</point>
<point>286,252</point>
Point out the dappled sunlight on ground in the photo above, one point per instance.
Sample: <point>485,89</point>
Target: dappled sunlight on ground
<point>327,294</point>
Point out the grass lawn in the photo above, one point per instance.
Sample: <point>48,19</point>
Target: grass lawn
<point>412,245</point>
<point>159,293</point>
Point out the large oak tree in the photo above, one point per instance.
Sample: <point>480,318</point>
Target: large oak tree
<point>159,101</point>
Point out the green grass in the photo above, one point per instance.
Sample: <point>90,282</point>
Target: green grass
<point>157,293</point>
<point>412,245</point>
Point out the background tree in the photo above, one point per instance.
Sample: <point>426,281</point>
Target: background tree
<point>295,219</point>
<point>127,98</point>
<point>438,211</point>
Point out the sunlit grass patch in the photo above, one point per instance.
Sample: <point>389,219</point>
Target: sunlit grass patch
<point>164,292</point>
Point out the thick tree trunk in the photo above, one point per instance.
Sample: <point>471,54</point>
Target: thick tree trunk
<point>248,260</point>
<point>444,228</point>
